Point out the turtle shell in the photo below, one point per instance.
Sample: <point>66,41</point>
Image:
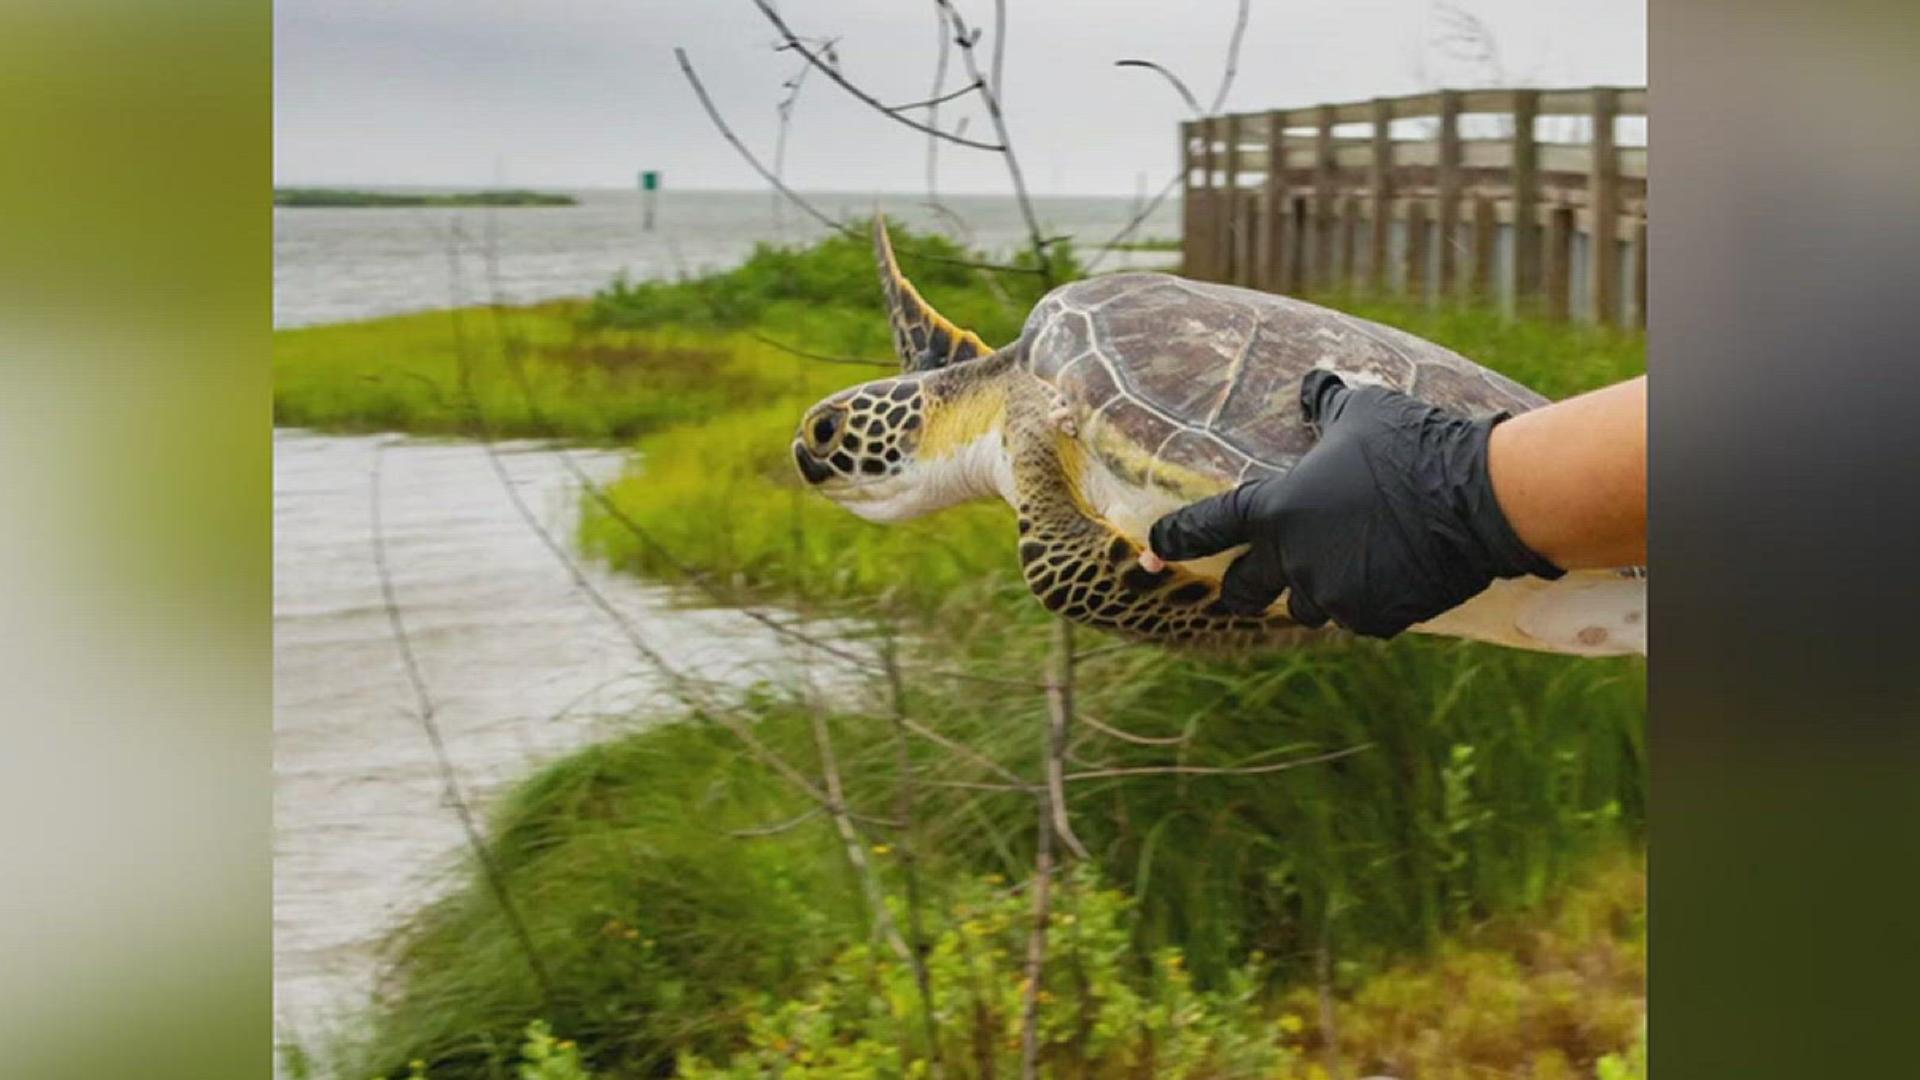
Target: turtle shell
<point>1194,386</point>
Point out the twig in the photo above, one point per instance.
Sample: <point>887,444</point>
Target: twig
<point>792,41</point>
<point>930,103</point>
<point>823,357</point>
<point>1059,716</point>
<point>999,49</point>
<point>1329,1017</point>
<point>449,779</point>
<point>1128,736</point>
<point>1179,87</point>
<point>1037,946</point>
<point>850,838</point>
<point>713,113</point>
<point>909,850</point>
<point>967,38</point>
<point>1233,56</point>
<point>1215,770</point>
<point>777,827</point>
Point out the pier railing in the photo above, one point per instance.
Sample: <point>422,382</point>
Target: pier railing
<point>1520,197</point>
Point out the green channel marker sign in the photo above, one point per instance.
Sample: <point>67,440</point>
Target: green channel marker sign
<point>649,181</point>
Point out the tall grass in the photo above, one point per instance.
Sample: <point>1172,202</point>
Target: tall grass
<point>1491,776</point>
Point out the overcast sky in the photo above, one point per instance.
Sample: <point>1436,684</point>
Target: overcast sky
<point>581,93</point>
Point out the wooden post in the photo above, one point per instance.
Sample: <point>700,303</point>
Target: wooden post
<point>1559,259</point>
<point>1379,179</point>
<point>1189,207</point>
<point>1230,223</point>
<point>1279,207</point>
<point>1206,268</point>
<point>1526,197</point>
<point>1486,237</point>
<point>1448,182</point>
<point>1349,241</point>
<point>1323,165</point>
<point>1417,249</point>
<point>1603,200</point>
<point>1246,233</point>
<point>1640,274</point>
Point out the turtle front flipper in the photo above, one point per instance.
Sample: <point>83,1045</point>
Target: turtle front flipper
<point>924,338</point>
<point>1087,571</point>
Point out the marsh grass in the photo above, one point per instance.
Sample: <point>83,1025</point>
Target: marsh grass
<point>1491,778</point>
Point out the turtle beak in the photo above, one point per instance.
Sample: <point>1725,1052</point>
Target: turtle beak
<point>812,468</point>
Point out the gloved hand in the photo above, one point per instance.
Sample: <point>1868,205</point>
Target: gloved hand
<point>1388,521</point>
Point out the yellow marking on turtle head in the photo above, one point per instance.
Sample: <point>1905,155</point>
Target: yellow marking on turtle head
<point>955,422</point>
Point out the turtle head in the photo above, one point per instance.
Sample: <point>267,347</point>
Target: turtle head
<point>896,448</point>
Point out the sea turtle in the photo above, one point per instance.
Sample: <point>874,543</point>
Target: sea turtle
<point>1128,395</point>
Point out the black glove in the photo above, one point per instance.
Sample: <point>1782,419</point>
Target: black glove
<point>1388,521</point>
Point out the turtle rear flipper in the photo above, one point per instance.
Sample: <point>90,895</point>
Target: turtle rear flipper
<point>924,338</point>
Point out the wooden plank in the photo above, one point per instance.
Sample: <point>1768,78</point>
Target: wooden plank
<point>1379,184</point>
<point>1633,101</point>
<point>1417,250</point>
<point>1486,153</point>
<point>1189,207</point>
<point>1246,208</point>
<point>1486,234</point>
<point>1566,102</point>
<point>1603,198</point>
<point>1323,180</point>
<point>1229,224</point>
<point>1352,112</point>
<point>1564,158</point>
<point>1559,263</point>
<point>1204,266</point>
<point>1447,211</point>
<point>1638,305</point>
<point>1278,206</point>
<point>1526,197</point>
<point>1349,240</point>
<point>1490,101</point>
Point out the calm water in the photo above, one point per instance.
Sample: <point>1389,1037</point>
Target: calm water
<point>336,264</point>
<point>520,666</point>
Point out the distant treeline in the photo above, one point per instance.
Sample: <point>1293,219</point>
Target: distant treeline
<point>345,197</point>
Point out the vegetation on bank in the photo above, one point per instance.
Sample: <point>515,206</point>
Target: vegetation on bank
<point>338,197</point>
<point>1420,883</point>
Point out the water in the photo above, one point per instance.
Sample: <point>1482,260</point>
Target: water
<point>520,666</point>
<point>336,264</point>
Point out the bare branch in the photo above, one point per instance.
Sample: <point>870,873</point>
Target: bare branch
<point>1233,56</point>
<point>1059,716</point>
<point>1037,948</point>
<point>792,41</point>
<point>777,827</point>
<point>967,39</point>
<point>720,122</point>
<point>909,848</point>
<point>823,357</point>
<point>1212,770</point>
<point>1133,223</point>
<point>999,48</point>
<point>1186,95</point>
<point>931,104</point>
<point>424,711</point>
<point>1128,736</point>
<point>850,839</point>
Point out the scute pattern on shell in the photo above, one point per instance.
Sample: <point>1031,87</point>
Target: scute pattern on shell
<point>1206,377</point>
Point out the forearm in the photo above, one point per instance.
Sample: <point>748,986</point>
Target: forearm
<point>1572,477</point>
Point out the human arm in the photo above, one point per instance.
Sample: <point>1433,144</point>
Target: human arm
<point>1404,510</point>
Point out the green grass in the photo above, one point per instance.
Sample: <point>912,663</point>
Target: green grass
<point>1493,776</point>
<point>347,197</point>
